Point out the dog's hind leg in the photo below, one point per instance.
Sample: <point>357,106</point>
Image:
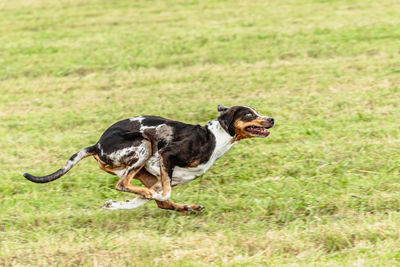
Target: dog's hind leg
<point>134,163</point>
<point>151,181</point>
<point>124,184</point>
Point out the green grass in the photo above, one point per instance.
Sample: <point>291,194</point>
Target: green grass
<point>322,190</point>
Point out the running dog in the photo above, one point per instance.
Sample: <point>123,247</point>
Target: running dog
<point>147,147</point>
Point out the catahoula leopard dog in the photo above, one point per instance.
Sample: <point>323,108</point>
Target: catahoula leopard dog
<point>147,147</point>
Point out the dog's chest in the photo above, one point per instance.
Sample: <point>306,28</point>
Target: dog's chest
<point>184,175</point>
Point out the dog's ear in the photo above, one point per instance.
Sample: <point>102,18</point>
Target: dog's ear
<point>226,118</point>
<point>222,109</point>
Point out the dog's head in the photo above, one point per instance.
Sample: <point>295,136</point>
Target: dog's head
<point>244,122</point>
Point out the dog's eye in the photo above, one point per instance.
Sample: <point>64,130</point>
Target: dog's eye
<point>249,115</point>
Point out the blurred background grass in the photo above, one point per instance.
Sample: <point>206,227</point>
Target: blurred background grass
<point>321,190</point>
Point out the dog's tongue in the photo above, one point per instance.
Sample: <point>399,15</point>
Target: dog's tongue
<point>264,132</point>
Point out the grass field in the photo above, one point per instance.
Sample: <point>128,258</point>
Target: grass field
<point>322,190</point>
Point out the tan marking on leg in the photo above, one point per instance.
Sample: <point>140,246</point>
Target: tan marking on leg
<point>194,163</point>
<point>102,166</point>
<point>165,180</point>
<point>146,178</point>
<point>124,184</point>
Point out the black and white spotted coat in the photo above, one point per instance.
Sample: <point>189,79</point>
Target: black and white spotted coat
<point>138,141</point>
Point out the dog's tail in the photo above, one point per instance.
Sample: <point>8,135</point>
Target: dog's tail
<point>70,163</point>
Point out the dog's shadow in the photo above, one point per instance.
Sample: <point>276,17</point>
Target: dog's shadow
<point>149,217</point>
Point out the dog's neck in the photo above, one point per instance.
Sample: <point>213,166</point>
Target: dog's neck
<point>223,140</point>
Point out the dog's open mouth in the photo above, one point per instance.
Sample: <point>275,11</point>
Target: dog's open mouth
<point>258,130</point>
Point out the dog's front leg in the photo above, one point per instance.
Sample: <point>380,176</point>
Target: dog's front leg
<point>166,169</point>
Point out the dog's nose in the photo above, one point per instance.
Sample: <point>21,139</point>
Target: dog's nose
<point>271,120</point>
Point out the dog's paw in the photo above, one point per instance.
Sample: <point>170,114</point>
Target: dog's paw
<point>198,208</point>
<point>150,194</point>
<point>188,209</point>
<point>109,205</point>
<point>125,205</point>
<point>115,205</point>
